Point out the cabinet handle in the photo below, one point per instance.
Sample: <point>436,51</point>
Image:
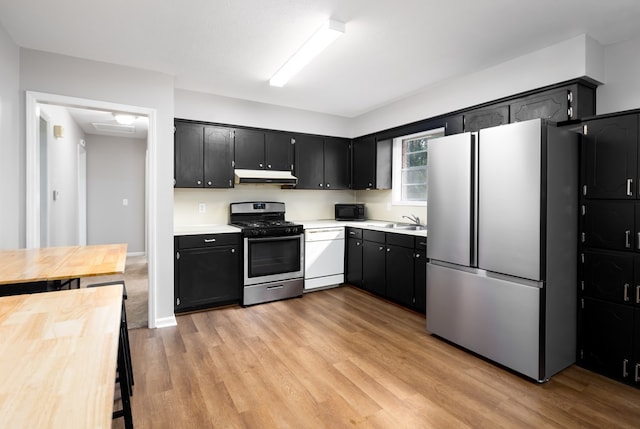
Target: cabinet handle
<point>625,373</point>
<point>638,241</point>
<point>320,184</point>
<point>229,182</point>
<point>381,248</point>
<point>209,183</point>
<point>636,379</point>
<point>199,182</point>
<point>357,243</point>
<point>388,250</point>
<point>260,165</point>
<point>209,240</point>
<point>328,185</point>
<point>627,235</point>
<point>626,292</point>
<point>417,255</point>
<point>233,250</point>
<point>637,294</point>
<point>370,185</point>
<point>630,187</point>
<point>269,166</point>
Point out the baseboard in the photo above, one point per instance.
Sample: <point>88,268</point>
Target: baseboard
<point>136,254</point>
<point>165,322</point>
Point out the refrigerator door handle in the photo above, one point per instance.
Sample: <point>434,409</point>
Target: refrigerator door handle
<point>627,236</point>
<point>474,202</point>
<point>630,187</point>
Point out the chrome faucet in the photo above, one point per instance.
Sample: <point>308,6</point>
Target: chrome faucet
<point>413,218</point>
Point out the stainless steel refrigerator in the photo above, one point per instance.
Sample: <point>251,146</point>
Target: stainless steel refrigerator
<point>502,211</point>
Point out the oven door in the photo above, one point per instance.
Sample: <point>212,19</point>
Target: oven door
<point>273,259</point>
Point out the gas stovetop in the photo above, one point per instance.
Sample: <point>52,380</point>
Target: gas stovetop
<point>262,219</point>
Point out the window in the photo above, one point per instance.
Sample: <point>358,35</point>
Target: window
<point>410,167</point>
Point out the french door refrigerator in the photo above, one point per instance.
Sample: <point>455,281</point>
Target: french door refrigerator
<point>502,207</point>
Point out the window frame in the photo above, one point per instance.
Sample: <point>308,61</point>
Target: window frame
<point>396,171</point>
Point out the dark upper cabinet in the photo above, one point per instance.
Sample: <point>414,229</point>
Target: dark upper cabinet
<point>218,157</point>
<point>203,156</point>
<point>336,163</point>
<point>321,163</point>
<point>610,158</point>
<point>278,151</point>
<point>485,118</point>
<point>189,155</point>
<point>371,161</point>
<point>249,149</point>
<point>259,150</point>
<point>566,103</point>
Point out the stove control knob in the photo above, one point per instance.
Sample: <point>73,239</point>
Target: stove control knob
<point>288,230</point>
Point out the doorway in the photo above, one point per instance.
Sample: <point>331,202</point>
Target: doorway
<point>35,188</point>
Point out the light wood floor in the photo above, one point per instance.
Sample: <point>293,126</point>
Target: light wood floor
<point>341,358</point>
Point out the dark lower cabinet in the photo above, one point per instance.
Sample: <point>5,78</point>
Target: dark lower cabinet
<point>373,267</point>
<point>207,271</point>
<point>390,265</point>
<point>420,274</point>
<point>607,339</point>
<point>400,273</point>
<point>353,256</point>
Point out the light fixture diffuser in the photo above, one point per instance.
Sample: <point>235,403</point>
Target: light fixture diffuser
<point>322,38</point>
<point>124,118</point>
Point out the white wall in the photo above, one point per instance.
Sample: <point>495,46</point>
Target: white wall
<point>115,171</point>
<point>300,204</point>
<point>12,219</point>
<point>622,76</point>
<point>225,110</point>
<point>62,177</point>
<point>74,77</point>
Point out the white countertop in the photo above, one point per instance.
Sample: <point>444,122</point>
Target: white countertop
<point>204,229</point>
<point>376,225</point>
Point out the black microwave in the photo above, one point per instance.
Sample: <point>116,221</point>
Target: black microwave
<point>349,211</point>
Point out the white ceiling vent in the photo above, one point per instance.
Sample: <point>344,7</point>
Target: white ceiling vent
<point>129,129</point>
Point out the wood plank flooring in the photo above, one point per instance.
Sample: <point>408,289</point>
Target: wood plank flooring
<point>341,358</point>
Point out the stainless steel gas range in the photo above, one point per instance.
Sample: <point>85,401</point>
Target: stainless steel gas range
<point>273,252</point>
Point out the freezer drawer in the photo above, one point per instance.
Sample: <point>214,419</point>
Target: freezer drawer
<point>493,317</point>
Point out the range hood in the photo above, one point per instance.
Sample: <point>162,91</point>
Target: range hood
<point>265,176</point>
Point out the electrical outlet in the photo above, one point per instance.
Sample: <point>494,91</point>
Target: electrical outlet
<point>125,202</point>
<point>202,208</point>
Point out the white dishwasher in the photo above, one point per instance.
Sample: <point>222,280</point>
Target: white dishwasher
<point>323,257</point>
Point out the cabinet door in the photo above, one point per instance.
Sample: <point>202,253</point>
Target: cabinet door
<point>399,274</point>
<point>364,159</point>
<point>354,262</point>
<point>373,267</point>
<point>188,145</point>
<point>278,151</point>
<point>635,376</point>
<point>309,162</point>
<point>218,158</point>
<point>207,276</point>
<point>336,163</point>
<point>608,225</point>
<point>553,105</point>
<point>420,275</point>
<point>249,149</point>
<point>608,275</point>
<point>610,157</point>
<point>485,118</point>
<point>607,338</point>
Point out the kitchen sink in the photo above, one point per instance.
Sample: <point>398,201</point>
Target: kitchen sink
<point>408,226</point>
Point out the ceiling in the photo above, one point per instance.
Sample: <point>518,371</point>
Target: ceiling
<point>390,50</point>
<point>103,123</point>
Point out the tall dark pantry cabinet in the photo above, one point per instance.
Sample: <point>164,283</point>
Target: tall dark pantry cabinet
<point>609,286</point>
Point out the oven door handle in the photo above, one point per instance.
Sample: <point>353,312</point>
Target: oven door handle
<point>277,238</point>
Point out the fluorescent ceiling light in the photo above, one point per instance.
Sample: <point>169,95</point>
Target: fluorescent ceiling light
<point>322,38</point>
